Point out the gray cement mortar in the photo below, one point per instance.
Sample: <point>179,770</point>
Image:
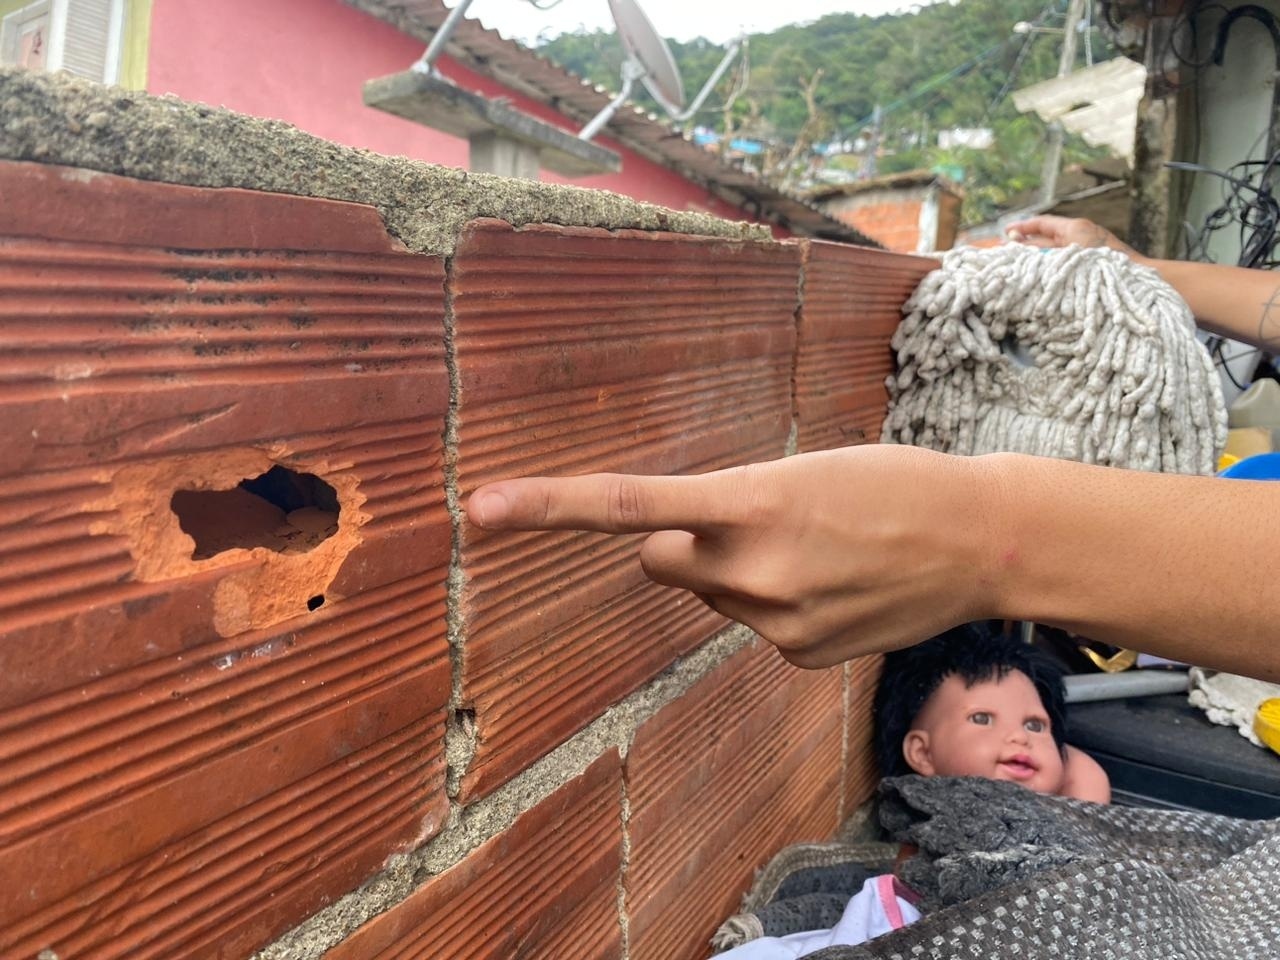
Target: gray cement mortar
<point>470,826</point>
<point>58,119</point>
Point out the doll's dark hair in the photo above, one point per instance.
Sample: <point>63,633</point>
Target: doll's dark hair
<point>975,652</point>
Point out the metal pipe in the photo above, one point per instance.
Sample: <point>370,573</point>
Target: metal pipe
<point>427,62</point>
<point>631,72</point>
<point>1084,687</point>
<point>735,45</point>
<point>1057,135</point>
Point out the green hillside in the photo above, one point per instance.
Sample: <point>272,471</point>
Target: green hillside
<point>944,66</point>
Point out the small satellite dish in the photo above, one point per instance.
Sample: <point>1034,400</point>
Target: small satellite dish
<point>649,60</point>
<point>651,52</point>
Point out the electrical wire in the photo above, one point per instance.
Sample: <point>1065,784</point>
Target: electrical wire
<point>1247,202</point>
<point>1017,62</point>
<point>1184,38</point>
<point>1249,205</point>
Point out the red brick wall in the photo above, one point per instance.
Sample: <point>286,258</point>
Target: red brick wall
<point>851,305</point>
<point>748,760</point>
<point>894,222</point>
<point>631,351</point>
<point>891,215</point>
<point>394,733</point>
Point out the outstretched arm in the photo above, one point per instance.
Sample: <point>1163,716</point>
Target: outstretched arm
<point>841,553</point>
<point>1230,301</point>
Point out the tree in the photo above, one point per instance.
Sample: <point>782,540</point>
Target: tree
<point>943,66</point>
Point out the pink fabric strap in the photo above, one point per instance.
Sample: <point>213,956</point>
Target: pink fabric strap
<point>886,890</point>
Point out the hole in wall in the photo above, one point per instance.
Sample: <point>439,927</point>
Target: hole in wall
<point>465,720</point>
<point>316,602</point>
<point>283,510</point>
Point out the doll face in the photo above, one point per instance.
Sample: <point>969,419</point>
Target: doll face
<point>995,728</point>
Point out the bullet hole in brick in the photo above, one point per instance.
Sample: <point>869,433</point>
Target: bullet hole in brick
<point>315,603</point>
<point>282,510</point>
<point>465,720</point>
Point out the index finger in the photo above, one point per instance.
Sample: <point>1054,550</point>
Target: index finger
<point>605,502</point>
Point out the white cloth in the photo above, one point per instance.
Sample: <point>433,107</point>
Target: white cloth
<point>1230,700</point>
<point>879,907</point>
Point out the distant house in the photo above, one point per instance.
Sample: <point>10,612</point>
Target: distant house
<point>972,138</point>
<point>913,212</point>
<point>307,62</point>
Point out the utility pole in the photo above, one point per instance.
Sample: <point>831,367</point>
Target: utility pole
<point>1067,61</point>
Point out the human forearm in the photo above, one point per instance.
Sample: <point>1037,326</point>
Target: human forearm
<point>1229,301</point>
<point>842,553</point>
<point>1232,302</point>
<point>1141,560</point>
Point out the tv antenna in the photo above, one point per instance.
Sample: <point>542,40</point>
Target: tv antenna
<point>502,138</point>
<point>649,60</point>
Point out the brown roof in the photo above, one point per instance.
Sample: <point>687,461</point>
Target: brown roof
<point>527,72</point>
<point>907,178</point>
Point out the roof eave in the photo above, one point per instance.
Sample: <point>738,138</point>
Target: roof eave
<point>527,72</point>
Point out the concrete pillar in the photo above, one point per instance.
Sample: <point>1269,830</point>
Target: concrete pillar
<point>493,153</point>
<point>1153,145</point>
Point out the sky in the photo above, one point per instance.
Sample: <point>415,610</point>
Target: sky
<point>717,20</point>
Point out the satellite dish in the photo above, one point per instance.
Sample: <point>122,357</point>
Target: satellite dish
<point>649,60</point>
<point>650,51</point>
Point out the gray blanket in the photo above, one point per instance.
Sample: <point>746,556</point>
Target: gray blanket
<point>1006,873</point>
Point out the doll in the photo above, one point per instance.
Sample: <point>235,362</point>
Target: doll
<point>967,703</point>
<point>972,702</point>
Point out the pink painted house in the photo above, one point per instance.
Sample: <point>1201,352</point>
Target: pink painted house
<point>307,62</point>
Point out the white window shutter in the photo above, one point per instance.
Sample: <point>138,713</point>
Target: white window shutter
<point>86,38</point>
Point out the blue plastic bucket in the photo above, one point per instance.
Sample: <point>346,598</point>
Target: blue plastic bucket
<point>1261,466</point>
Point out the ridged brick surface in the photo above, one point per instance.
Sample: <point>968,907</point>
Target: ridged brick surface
<point>861,773</point>
<point>853,300</point>
<point>195,754</point>
<point>546,887</point>
<point>238,882</point>
<point>747,762</point>
<point>579,351</point>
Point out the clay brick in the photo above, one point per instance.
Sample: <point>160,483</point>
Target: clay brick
<point>231,886</point>
<point>861,773</point>
<point>853,300</point>
<point>895,224</point>
<point>747,762</point>
<point>196,751</point>
<point>583,350</point>
<point>546,887</point>
<point>980,242</point>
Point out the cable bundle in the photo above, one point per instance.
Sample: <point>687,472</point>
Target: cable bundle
<point>1113,373</point>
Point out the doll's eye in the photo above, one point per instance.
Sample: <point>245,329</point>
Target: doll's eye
<point>981,718</point>
<point>1036,726</point>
